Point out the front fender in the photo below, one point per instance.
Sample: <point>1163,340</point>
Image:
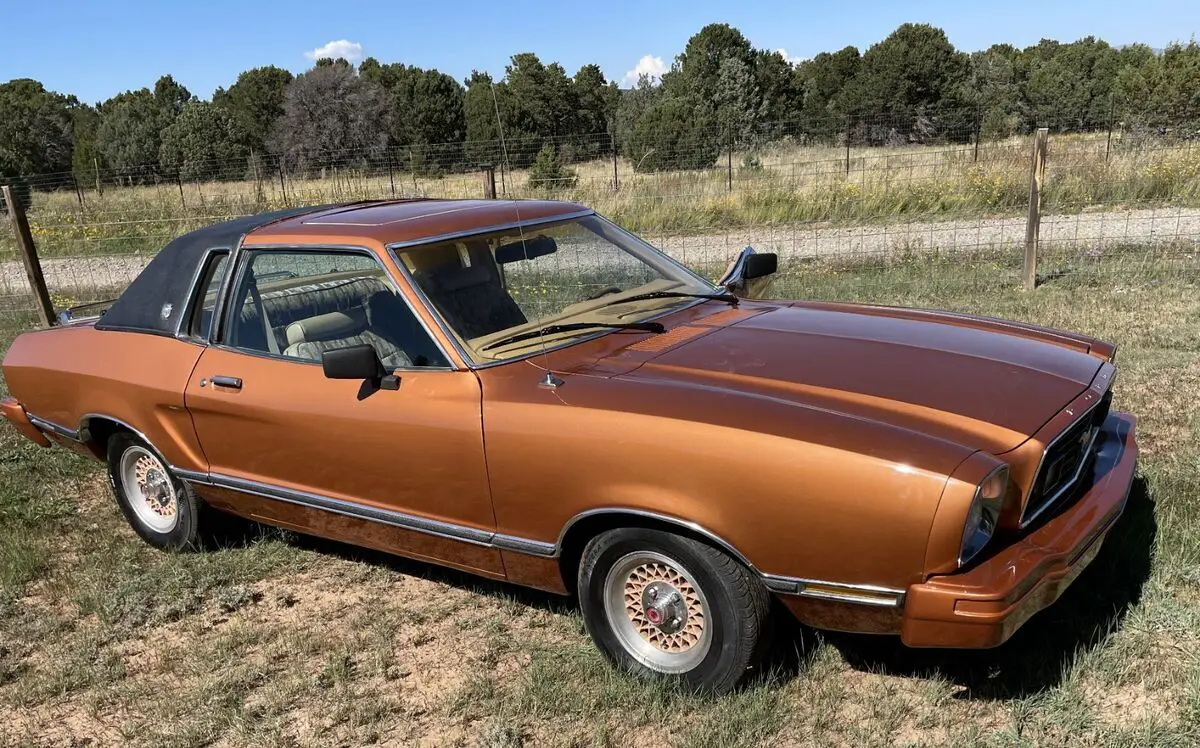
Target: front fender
<point>796,492</point>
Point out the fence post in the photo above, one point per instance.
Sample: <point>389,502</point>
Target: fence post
<point>258,190</point>
<point>391,174</point>
<point>282,185</point>
<point>978,130</point>
<point>729,169</point>
<point>179,182</point>
<point>33,268</point>
<point>489,182</point>
<point>1108,145</point>
<point>847,145</point>
<point>78,192</point>
<point>616,180</point>
<point>1037,172</point>
<point>96,166</point>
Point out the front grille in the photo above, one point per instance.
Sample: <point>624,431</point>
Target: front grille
<point>1065,459</point>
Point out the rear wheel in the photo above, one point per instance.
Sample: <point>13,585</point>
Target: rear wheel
<point>663,605</point>
<point>160,508</point>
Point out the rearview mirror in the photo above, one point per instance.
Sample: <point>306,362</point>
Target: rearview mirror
<point>538,246</point>
<point>749,275</point>
<point>353,362</point>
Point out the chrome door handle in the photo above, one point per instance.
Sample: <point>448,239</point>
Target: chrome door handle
<point>233,383</point>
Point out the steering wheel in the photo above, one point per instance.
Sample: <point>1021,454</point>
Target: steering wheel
<point>604,292</point>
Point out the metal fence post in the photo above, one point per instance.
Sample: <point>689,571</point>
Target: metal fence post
<point>1108,144</point>
<point>1037,173</point>
<point>616,180</point>
<point>33,267</point>
<point>847,145</point>
<point>282,184</point>
<point>978,132</point>
<point>729,172</point>
<point>78,192</point>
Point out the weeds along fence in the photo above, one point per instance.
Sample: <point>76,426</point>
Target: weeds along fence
<point>885,210</point>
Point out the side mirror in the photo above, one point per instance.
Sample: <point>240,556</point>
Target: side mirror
<point>353,362</point>
<point>749,275</point>
<point>760,265</point>
<point>358,362</point>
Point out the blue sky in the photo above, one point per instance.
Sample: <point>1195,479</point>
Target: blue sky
<point>97,49</point>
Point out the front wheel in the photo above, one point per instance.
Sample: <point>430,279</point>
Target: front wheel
<point>162,509</point>
<point>664,605</point>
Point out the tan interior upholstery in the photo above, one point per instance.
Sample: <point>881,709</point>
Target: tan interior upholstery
<point>329,326</point>
<point>286,305</point>
<point>309,338</point>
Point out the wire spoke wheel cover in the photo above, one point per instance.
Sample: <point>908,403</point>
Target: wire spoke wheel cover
<point>658,612</point>
<point>148,489</point>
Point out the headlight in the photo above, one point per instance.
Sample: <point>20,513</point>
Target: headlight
<point>983,514</point>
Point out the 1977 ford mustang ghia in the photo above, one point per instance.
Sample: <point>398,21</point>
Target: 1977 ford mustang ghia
<point>526,391</point>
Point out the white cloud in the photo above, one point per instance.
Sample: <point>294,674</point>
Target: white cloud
<point>648,65</point>
<point>347,50</point>
<point>790,60</point>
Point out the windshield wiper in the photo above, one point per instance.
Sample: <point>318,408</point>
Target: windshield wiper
<point>733,300</point>
<point>654,327</point>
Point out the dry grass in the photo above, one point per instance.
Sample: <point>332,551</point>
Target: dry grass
<point>273,639</point>
<point>783,184</point>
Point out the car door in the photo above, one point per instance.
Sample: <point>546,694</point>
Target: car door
<point>399,469</point>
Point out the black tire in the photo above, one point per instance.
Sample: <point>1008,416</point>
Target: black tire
<point>184,532</point>
<point>737,610</point>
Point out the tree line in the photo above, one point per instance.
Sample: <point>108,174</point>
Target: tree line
<point>911,87</point>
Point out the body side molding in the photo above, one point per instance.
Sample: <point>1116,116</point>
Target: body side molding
<point>862,594</point>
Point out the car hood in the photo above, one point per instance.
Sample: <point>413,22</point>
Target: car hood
<point>942,376</point>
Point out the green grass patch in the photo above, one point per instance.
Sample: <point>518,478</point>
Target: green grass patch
<point>281,641</point>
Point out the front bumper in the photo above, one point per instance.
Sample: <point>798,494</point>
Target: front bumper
<point>983,606</point>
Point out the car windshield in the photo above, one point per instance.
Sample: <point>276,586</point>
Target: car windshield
<point>492,287</point>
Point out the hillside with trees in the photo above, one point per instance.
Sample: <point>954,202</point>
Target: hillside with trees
<point>912,87</point>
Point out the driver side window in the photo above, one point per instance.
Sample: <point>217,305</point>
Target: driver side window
<point>297,305</point>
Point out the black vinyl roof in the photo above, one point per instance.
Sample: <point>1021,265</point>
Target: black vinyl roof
<point>157,298</point>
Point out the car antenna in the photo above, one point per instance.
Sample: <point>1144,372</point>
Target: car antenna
<point>549,381</point>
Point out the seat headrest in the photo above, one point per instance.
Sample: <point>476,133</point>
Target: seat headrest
<point>460,278</point>
<point>331,326</point>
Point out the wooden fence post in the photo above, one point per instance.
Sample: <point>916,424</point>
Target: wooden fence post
<point>1034,223</point>
<point>33,268</point>
<point>489,182</point>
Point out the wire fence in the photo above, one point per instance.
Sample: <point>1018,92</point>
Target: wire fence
<point>877,203</point>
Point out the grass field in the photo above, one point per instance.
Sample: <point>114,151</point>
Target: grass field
<point>274,639</point>
<point>781,184</point>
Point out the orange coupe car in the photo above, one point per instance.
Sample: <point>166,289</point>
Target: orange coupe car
<point>526,391</point>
